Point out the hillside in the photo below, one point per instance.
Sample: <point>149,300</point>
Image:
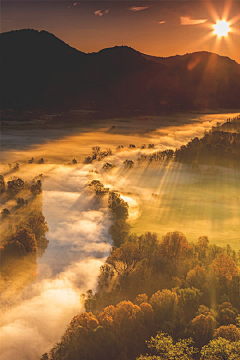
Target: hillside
<point>38,70</point>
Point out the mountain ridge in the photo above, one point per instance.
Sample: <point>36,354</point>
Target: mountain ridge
<point>39,70</point>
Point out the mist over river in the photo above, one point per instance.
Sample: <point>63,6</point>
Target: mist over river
<point>161,198</point>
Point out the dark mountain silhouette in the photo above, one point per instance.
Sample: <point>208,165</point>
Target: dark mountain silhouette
<point>38,70</point>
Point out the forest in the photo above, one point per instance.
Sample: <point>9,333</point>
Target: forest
<point>162,298</point>
<point>219,146</point>
<point>184,297</point>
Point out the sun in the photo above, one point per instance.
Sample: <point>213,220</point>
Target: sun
<point>221,28</point>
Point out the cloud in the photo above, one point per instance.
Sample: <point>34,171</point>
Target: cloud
<point>186,20</point>
<point>100,12</point>
<point>137,8</point>
<point>162,22</point>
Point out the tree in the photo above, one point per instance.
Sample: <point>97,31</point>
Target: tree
<point>124,258</point>
<point>108,166</point>
<point>221,349</point>
<point>128,164</point>
<point>202,247</point>
<point>224,268</point>
<point>141,298</point>
<point>227,314</point>
<point>74,343</point>
<point>20,202</point>
<point>2,184</point>
<point>44,357</point>
<point>148,314</point>
<point>164,304</point>
<point>202,328</point>
<point>38,225</point>
<point>88,160</point>
<point>105,277</point>
<point>174,245</point>
<point>14,186</point>
<point>86,320</point>
<point>188,300</point>
<point>148,244</point>
<point>36,188</point>
<point>229,332</point>
<point>98,187</point>
<point>5,213</point>
<point>118,206</point>
<point>234,291</point>
<point>27,239</point>
<point>196,277</point>
<point>128,323</point>
<point>90,301</point>
<point>22,243</point>
<point>119,232</point>
<point>163,347</point>
<point>101,344</point>
<point>95,152</point>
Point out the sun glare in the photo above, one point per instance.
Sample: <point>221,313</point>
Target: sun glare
<point>221,28</point>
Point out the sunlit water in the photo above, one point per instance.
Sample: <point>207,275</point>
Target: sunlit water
<point>161,199</point>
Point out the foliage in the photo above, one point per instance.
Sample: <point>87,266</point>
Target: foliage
<point>108,166</point>
<point>97,154</point>
<point>229,332</point>
<point>164,304</point>
<point>227,314</point>
<point>149,285</point>
<point>36,187</point>
<point>221,349</point>
<point>224,268</point>
<point>128,164</point>
<point>98,187</point>
<point>119,232</point>
<point>189,301</point>
<point>219,146</point>
<point>174,245</point>
<point>38,225</point>
<point>202,328</point>
<point>5,212</point>
<point>163,347</point>
<point>14,186</point>
<point>21,244</point>
<point>117,205</point>
<point>2,184</point>
<point>20,202</point>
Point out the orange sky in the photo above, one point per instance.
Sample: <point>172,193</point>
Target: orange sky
<point>160,28</point>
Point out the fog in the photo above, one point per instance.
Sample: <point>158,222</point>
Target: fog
<point>161,198</point>
<point>44,310</point>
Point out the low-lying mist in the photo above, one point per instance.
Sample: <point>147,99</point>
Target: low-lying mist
<point>44,309</point>
<point>161,198</point>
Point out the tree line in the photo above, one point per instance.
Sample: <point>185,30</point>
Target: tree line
<point>219,146</point>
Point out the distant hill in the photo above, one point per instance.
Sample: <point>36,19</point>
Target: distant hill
<point>38,70</point>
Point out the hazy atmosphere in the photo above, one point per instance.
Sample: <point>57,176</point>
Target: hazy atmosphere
<point>119,180</point>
